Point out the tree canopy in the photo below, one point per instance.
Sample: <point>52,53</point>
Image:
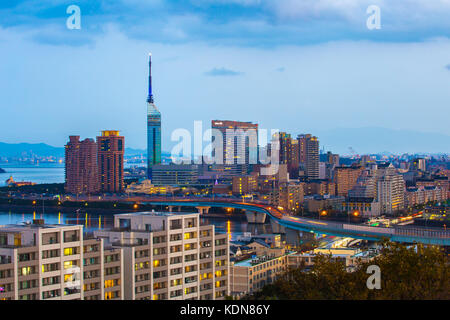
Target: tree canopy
<point>407,273</point>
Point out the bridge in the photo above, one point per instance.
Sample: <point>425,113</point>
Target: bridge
<point>282,223</point>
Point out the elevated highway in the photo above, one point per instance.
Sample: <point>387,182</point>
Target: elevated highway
<point>282,221</point>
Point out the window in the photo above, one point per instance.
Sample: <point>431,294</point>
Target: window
<point>70,264</point>
<point>112,283</point>
<point>50,267</point>
<point>26,271</point>
<point>70,251</point>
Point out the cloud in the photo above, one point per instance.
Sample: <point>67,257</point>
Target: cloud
<point>249,23</point>
<point>219,72</point>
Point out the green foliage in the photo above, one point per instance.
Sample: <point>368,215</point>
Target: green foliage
<point>407,273</point>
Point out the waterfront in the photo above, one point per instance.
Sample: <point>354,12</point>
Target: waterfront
<point>34,173</point>
<point>93,221</point>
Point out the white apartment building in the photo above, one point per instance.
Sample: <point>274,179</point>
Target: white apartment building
<point>41,261</point>
<point>170,256</point>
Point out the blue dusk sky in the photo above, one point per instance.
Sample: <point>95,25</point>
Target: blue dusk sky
<point>295,65</point>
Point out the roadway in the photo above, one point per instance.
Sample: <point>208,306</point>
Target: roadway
<point>397,233</point>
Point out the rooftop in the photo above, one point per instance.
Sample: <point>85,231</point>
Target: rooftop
<point>258,260</point>
<point>155,214</point>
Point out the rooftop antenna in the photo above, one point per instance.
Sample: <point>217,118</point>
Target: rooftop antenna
<point>150,94</point>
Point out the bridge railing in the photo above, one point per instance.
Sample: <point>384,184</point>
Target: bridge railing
<point>368,229</point>
<point>424,233</point>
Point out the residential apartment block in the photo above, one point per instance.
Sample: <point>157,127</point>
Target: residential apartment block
<point>250,275</point>
<point>41,261</point>
<point>170,256</point>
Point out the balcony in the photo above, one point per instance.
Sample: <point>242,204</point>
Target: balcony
<point>5,260</point>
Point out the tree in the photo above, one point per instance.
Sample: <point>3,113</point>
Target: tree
<point>407,272</point>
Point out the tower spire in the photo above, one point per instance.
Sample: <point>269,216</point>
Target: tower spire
<point>150,94</point>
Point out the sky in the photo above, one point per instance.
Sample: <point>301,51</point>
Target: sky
<point>295,65</point>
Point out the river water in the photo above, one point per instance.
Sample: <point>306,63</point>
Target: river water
<point>91,222</point>
<point>49,173</point>
<point>34,173</point>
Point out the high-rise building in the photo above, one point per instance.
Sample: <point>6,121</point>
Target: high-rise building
<point>239,142</point>
<point>153,126</point>
<point>418,164</point>
<point>332,158</point>
<point>289,154</point>
<point>285,141</point>
<point>110,154</point>
<point>170,256</point>
<point>293,158</point>
<point>309,155</point>
<point>345,179</point>
<point>81,172</point>
<point>390,189</point>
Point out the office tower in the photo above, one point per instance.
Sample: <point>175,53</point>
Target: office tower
<point>390,189</point>
<point>285,141</point>
<point>170,256</point>
<point>239,142</point>
<point>293,158</point>
<point>309,155</point>
<point>110,153</point>
<point>153,126</point>
<point>289,154</point>
<point>81,173</point>
<point>175,174</point>
<point>40,261</point>
<point>345,179</point>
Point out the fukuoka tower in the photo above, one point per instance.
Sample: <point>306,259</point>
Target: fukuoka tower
<point>153,126</point>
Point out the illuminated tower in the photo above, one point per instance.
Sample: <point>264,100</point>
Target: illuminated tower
<point>153,126</point>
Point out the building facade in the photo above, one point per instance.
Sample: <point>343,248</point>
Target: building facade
<point>81,170</point>
<point>41,261</point>
<point>346,178</point>
<point>111,149</point>
<point>175,174</point>
<point>239,142</point>
<point>309,155</point>
<point>170,256</point>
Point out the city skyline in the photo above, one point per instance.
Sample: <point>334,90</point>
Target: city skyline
<point>370,81</point>
<point>287,150</point>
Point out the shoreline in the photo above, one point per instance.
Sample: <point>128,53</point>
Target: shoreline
<point>104,211</point>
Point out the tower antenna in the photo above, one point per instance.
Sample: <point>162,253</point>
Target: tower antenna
<point>150,94</point>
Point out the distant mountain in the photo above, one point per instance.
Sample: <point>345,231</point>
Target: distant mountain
<point>13,150</point>
<point>382,140</point>
<point>369,140</point>
<point>29,149</point>
<point>133,152</point>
